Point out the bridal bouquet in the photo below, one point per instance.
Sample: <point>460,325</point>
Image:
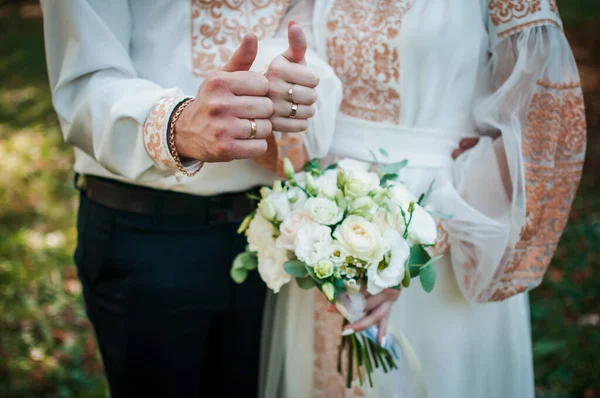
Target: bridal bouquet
<point>344,230</point>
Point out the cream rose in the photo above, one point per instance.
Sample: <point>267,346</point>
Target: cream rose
<point>270,268</point>
<point>290,226</point>
<point>361,238</point>
<point>390,276</point>
<point>260,234</point>
<point>313,243</point>
<point>324,211</point>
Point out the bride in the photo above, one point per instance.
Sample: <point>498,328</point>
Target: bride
<point>417,77</point>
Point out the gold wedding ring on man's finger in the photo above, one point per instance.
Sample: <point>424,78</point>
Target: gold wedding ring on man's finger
<point>294,111</point>
<point>253,129</point>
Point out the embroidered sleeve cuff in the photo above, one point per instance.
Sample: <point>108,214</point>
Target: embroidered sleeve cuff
<point>155,131</point>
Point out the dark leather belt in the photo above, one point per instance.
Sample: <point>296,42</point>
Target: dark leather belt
<point>141,200</point>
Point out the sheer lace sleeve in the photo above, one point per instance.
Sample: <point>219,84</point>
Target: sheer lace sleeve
<point>315,142</point>
<point>519,187</point>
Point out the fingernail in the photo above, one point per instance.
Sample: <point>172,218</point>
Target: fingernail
<point>292,23</point>
<point>347,332</point>
<point>383,341</point>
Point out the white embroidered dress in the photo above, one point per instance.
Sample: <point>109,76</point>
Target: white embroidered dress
<point>418,76</point>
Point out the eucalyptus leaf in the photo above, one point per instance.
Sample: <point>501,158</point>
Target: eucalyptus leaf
<point>418,255</point>
<point>295,268</point>
<point>384,152</point>
<point>306,283</point>
<point>387,177</point>
<point>394,168</point>
<point>423,199</point>
<point>246,260</point>
<point>238,275</point>
<point>311,272</point>
<point>331,166</point>
<point>427,276</point>
<point>414,270</point>
<point>312,164</point>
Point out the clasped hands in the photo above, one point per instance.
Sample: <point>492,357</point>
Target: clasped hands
<point>235,109</point>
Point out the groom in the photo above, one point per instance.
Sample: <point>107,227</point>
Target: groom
<point>164,168</point>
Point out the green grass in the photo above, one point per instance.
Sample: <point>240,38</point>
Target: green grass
<point>46,345</point>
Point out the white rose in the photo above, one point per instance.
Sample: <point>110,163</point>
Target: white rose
<point>270,268</point>
<point>360,183</point>
<point>327,183</point>
<point>400,196</point>
<point>361,238</point>
<point>324,211</point>
<point>290,226</point>
<point>313,243</point>
<point>260,234</point>
<point>393,273</point>
<point>422,229</point>
<point>353,165</point>
<point>296,197</point>
<point>277,204</point>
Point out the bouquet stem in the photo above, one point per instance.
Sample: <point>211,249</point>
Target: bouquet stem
<point>368,356</point>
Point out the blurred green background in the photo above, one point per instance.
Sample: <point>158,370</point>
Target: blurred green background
<point>46,345</point>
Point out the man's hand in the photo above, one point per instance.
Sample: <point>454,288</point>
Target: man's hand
<point>289,72</point>
<point>378,309</point>
<point>465,145</point>
<point>216,126</point>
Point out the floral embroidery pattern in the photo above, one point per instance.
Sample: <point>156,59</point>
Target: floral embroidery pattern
<point>327,382</point>
<point>553,149</point>
<point>218,27</point>
<point>281,146</point>
<point>154,132</point>
<point>529,25</point>
<point>362,50</point>
<point>503,11</point>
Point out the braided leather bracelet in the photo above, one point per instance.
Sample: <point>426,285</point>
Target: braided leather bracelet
<point>171,136</point>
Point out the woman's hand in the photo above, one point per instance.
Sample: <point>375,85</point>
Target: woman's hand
<point>292,85</point>
<point>378,311</point>
<point>465,145</point>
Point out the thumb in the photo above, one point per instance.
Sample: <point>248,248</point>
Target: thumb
<point>244,56</point>
<point>298,44</point>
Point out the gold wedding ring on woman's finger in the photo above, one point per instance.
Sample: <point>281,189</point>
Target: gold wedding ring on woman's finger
<point>253,129</point>
<point>291,92</point>
<point>294,111</point>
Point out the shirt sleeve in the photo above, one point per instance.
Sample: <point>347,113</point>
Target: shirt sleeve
<point>510,196</point>
<point>104,108</point>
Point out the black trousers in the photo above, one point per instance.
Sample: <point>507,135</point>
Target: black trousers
<point>169,320</point>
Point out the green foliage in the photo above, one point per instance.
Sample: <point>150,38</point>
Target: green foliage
<point>242,263</point>
<point>47,347</point>
<point>295,268</point>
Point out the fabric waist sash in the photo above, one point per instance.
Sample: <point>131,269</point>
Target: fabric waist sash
<point>431,148</point>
